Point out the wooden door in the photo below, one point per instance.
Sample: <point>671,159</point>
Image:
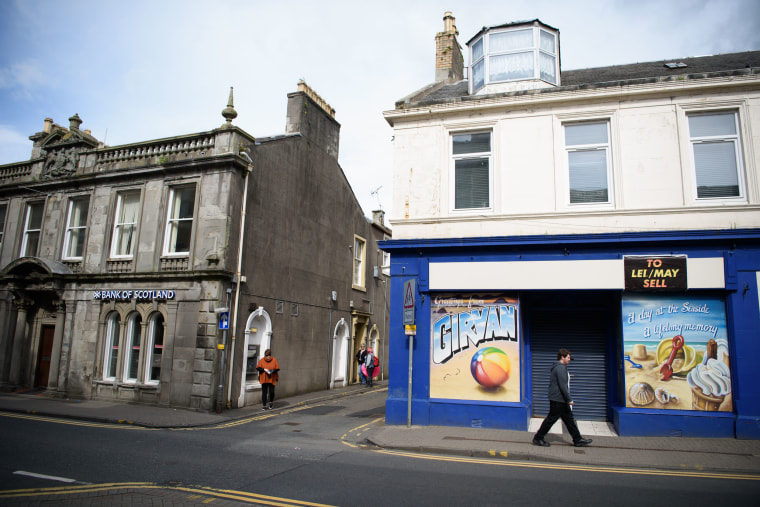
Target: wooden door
<point>44,356</point>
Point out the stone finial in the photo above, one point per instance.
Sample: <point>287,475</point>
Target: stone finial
<point>74,122</point>
<point>229,112</point>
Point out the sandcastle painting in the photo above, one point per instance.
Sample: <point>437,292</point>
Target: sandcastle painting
<point>676,354</point>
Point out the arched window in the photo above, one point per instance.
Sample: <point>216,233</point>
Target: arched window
<point>111,352</point>
<point>132,350</point>
<point>154,349</point>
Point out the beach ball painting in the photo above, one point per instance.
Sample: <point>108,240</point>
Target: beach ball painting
<point>490,367</point>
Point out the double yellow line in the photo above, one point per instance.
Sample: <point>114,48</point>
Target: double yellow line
<point>198,494</point>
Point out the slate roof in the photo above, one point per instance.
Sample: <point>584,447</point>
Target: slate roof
<point>732,64</point>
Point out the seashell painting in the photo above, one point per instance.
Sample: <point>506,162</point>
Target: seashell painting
<point>641,394</point>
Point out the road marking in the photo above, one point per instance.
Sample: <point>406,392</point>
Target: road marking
<point>570,467</point>
<point>113,488</point>
<point>42,476</point>
<point>32,416</point>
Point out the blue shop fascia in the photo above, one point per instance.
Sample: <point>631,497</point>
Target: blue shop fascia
<point>664,329</point>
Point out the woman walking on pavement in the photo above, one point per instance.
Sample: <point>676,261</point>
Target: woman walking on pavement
<point>268,368</point>
<point>369,363</point>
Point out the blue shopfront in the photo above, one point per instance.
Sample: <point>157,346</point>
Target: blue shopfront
<point>664,329</point>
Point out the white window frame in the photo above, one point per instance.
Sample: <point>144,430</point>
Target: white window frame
<point>112,339</point>
<point>75,230</point>
<point>358,278</point>
<point>132,332</point>
<point>172,223</point>
<point>485,54</point>
<point>118,226</point>
<point>156,322</point>
<point>589,147</point>
<point>735,139</point>
<point>29,231</point>
<point>482,155</point>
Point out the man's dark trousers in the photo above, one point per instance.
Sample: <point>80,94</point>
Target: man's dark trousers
<point>558,410</point>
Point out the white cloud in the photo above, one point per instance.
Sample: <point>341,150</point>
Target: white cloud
<point>14,146</point>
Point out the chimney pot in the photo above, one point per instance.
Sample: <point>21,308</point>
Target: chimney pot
<point>449,63</point>
<point>48,125</point>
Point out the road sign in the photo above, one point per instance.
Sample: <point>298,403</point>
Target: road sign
<point>224,320</point>
<point>409,292</point>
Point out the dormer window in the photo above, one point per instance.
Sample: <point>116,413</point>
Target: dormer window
<point>523,56</point>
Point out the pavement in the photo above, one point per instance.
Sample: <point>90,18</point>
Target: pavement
<point>698,455</point>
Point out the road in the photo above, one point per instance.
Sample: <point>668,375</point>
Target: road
<point>308,455</point>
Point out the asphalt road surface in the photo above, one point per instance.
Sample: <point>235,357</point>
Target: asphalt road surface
<point>315,454</point>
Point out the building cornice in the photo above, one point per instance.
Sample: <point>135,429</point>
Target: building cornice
<point>624,90</point>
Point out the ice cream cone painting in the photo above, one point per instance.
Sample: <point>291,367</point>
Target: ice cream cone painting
<point>475,348</point>
<point>676,353</point>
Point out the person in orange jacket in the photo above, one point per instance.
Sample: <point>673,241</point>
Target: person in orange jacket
<point>268,368</point>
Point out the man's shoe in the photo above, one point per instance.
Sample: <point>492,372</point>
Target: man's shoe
<point>271,406</point>
<point>541,443</point>
<point>583,442</point>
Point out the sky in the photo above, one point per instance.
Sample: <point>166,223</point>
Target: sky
<point>136,70</point>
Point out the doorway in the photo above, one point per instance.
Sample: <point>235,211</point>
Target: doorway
<point>47,336</point>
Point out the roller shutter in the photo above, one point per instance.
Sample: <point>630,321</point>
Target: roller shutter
<point>584,334</point>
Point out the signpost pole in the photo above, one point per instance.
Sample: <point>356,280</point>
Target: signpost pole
<point>410,289</point>
<point>409,394</point>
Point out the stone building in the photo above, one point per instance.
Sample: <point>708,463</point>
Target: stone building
<point>159,271</point>
<point>611,211</point>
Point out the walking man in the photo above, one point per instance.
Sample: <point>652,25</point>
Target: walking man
<point>560,403</point>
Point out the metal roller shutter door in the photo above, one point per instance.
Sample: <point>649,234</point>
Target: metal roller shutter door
<point>584,334</point>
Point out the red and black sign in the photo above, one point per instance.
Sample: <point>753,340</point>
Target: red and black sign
<point>655,273</point>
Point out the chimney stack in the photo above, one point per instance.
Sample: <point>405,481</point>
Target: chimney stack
<point>449,64</point>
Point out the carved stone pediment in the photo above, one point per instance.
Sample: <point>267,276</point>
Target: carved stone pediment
<point>60,162</point>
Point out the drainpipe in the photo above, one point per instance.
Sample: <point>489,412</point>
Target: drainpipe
<point>248,170</point>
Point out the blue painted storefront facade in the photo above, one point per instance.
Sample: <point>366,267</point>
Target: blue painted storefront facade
<point>412,260</point>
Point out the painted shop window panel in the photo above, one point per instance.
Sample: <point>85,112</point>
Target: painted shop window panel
<point>475,347</point>
<point>676,353</point>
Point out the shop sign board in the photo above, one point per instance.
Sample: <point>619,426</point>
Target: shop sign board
<point>127,295</point>
<point>655,272</point>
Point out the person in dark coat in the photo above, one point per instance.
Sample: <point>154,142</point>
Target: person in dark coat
<point>560,403</point>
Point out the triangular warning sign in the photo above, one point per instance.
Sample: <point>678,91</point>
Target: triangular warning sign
<point>409,296</point>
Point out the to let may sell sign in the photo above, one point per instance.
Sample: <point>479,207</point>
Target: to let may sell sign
<point>655,273</point>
